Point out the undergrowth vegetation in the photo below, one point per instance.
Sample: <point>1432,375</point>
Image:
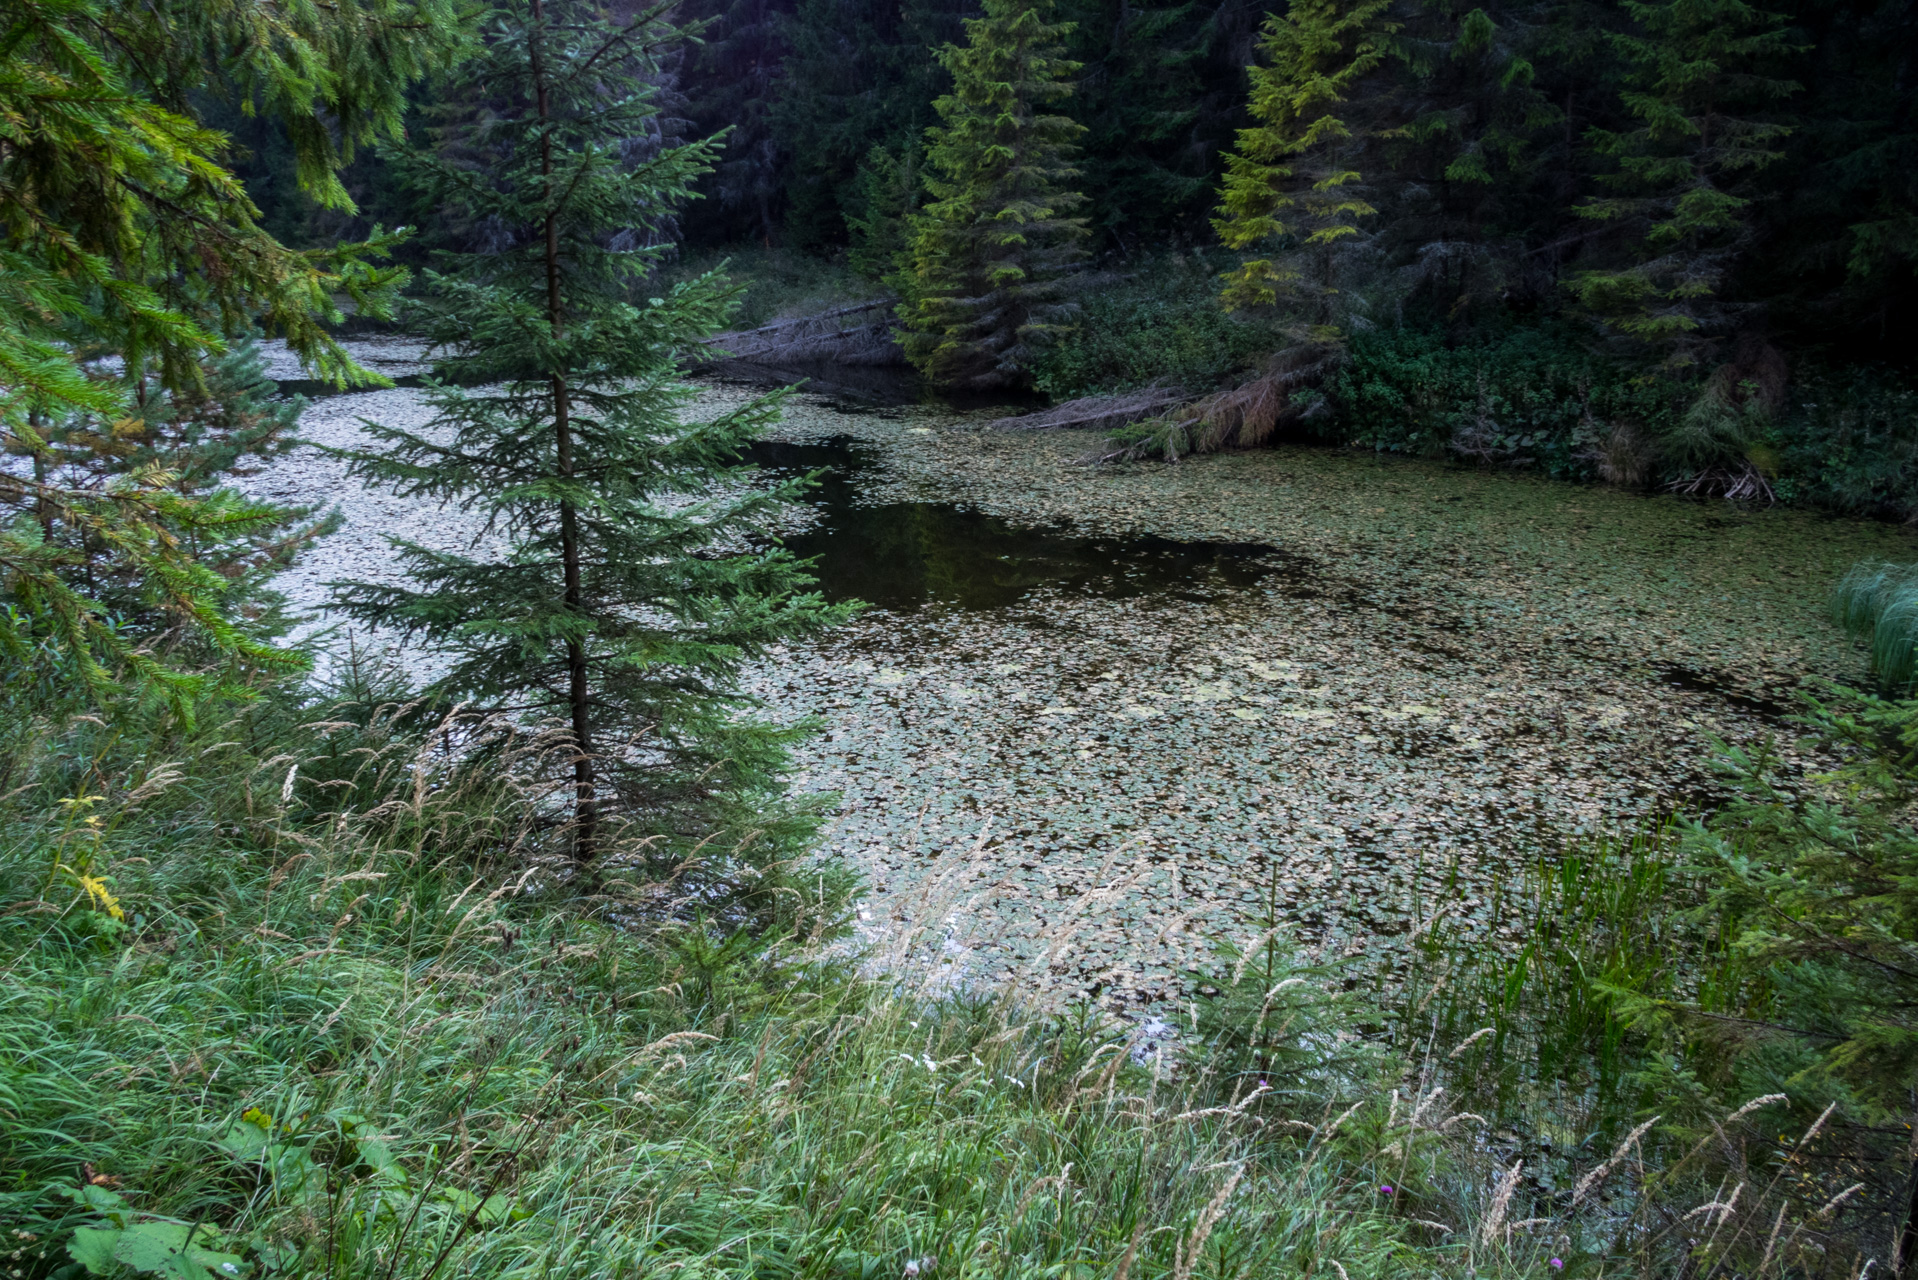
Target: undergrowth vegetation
<point>1545,397</point>
<point>1546,394</point>
<point>331,1011</point>
<point>774,284</point>
<point>1532,397</point>
<point>1733,994</point>
<point>242,1035</point>
<point>1160,324</point>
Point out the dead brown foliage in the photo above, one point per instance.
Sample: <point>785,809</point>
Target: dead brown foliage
<point>1240,417</point>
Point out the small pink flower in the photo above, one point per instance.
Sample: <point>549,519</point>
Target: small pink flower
<point>1558,1262</point>
<point>1385,1191</point>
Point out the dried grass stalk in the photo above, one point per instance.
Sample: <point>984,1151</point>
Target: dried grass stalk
<point>1188,1257</point>
<point>1596,1176</point>
<point>1625,457</point>
<point>1494,1224</point>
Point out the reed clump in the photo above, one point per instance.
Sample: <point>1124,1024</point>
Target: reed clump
<point>1877,602</point>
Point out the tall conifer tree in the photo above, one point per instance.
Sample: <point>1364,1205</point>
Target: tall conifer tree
<point>983,281</point>
<point>1697,91</point>
<point>1290,182</point>
<point>124,231</point>
<point>1137,95</point>
<point>1473,133</point>
<point>624,606</point>
<point>856,92</point>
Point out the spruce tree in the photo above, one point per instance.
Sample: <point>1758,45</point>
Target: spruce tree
<point>1467,158</point>
<point>1290,182</point>
<point>729,78</point>
<point>984,276</point>
<point>857,87</point>
<point>1681,177</point>
<point>629,596</point>
<point>125,232</point>
<point>1137,95</point>
<point>885,195</point>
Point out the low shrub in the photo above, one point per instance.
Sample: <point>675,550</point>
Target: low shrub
<point>1533,397</point>
<point>1161,324</point>
<point>1848,441</point>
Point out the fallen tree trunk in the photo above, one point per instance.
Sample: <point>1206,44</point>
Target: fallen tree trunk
<point>1096,413</point>
<point>825,337</point>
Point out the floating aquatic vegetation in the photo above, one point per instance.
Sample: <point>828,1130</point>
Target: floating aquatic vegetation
<point>1436,675</point>
<point>1102,708</point>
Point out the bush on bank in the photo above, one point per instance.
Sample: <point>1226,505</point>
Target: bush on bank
<point>1544,395</point>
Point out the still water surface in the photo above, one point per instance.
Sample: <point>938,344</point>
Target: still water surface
<point>901,555</point>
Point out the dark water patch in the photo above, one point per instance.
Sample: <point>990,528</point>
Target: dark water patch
<point>1694,681</point>
<point>321,389</point>
<point>901,555</point>
<point>849,388</point>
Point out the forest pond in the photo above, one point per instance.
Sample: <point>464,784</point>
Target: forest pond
<point>1098,718</point>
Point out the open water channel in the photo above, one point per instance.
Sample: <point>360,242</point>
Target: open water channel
<point>1098,718</point>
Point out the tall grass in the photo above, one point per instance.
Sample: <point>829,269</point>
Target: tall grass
<point>322,1012</point>
<point>1877,602</point>
<point>243,1035</point>
<point>1537,1017</point>
<point>354,1068</point>
<point>1606,1011</point>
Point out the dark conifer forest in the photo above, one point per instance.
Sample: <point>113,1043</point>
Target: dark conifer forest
<point>1652,244</point>
<point>1518,161</point>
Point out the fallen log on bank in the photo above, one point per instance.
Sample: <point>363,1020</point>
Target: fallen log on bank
<point>1237,418</point>
<point>1096,413</point>
<point>839,336</point>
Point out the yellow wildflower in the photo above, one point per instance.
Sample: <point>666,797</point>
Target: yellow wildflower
<point>99,897</point>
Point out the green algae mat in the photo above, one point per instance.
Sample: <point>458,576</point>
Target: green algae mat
<point>1102,717</point>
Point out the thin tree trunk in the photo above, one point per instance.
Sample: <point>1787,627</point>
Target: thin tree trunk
<point>41,507</point>
<point>585,788</point>
<point>1904,1258</point>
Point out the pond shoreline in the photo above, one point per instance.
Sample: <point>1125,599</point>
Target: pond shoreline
<point>1056,775</point>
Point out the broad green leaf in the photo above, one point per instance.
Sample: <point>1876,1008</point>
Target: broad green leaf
<point>92,1248</point>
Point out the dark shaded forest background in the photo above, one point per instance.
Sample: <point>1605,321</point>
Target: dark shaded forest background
<point>589,1026</point>
<point>1484,142</point>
